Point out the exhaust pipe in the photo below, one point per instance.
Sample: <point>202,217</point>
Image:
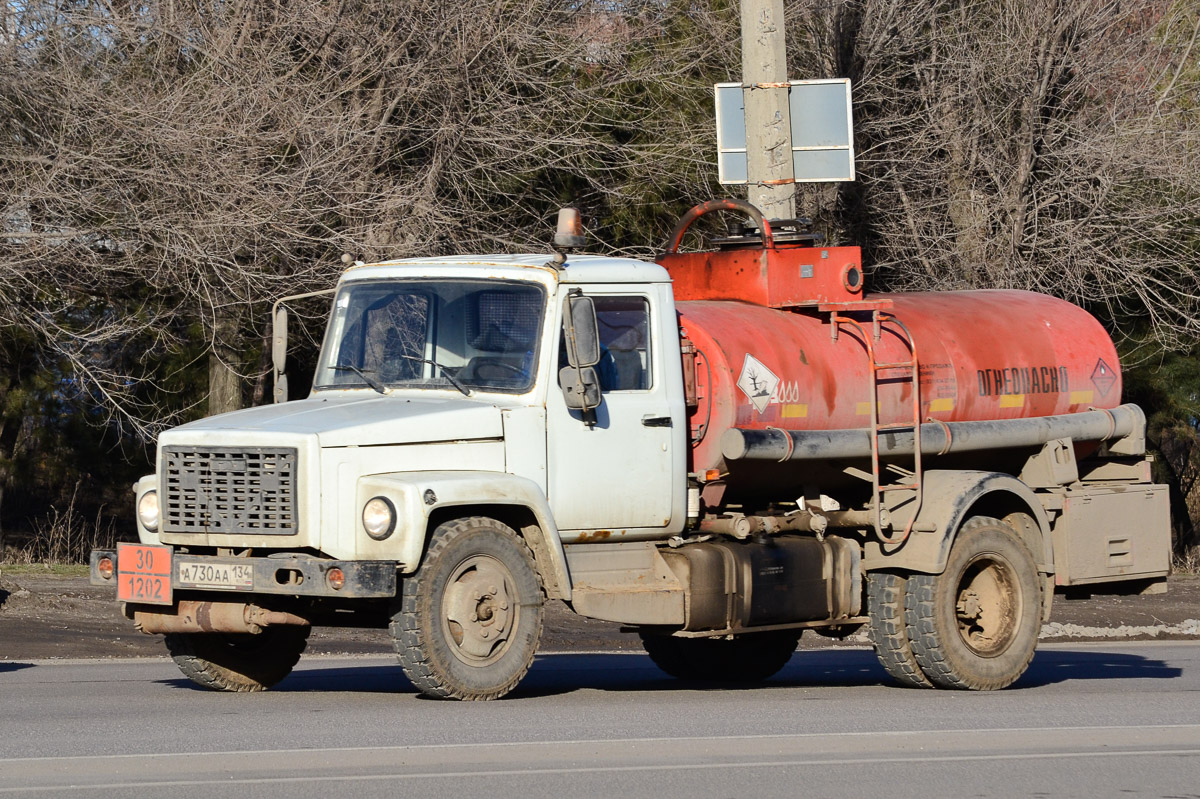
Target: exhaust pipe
<point>191,616</point>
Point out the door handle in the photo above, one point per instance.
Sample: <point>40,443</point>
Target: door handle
<point>656,421</point>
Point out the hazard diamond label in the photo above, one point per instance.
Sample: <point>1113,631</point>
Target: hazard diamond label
<point>1103,377</point>
<point>757,382</point>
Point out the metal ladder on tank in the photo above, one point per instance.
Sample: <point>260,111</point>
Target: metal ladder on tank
<point>910,480</point>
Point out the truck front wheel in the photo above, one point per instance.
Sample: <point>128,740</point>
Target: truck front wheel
<point>744,658</point>
<point>471,617</point>
<point>238,662</point>
<point>975,626</point>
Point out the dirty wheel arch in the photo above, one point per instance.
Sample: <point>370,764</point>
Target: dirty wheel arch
<point>470,619</point>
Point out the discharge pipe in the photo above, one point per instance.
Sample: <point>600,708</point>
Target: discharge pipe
<point>191,616</point>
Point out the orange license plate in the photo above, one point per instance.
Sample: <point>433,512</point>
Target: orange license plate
<point>144,574</point>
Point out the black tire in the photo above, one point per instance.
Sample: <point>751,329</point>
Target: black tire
<point>976,625</point>
<point>238,662</point>
<point>470,619</point>
<point>887,630</point>
<point>744,658</point>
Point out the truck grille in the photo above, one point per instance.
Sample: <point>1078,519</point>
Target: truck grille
<point>242,491</point>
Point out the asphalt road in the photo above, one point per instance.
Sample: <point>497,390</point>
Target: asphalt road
<point>1087,720</point>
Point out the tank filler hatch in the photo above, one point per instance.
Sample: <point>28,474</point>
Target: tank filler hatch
<point>771,263</point>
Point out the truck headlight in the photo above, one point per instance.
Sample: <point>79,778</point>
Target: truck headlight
<point>147,510</point>
<point>379,517</point>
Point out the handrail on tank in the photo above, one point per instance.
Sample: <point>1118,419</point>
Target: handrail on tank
<point>700,210</point>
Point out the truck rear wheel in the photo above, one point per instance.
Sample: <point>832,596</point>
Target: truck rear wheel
<point>975,626</point>
<point>471,617</point>
<point>744,658</point>
<point>889,635</point>
<point>238,662</point>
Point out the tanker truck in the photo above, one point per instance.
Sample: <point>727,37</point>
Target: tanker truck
<point>719,450</point>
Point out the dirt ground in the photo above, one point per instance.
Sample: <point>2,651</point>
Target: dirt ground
<point>44,616</point>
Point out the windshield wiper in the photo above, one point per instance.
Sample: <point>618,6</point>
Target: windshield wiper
<point>372,382</point>
<point>453,380</point>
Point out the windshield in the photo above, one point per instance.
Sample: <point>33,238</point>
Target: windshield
<point>456,334</point>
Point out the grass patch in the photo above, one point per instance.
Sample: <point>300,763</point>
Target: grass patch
<point>63,538</point>
<point>1187,562</point>
<point>60,569</point>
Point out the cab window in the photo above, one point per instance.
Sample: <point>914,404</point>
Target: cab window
<point>624,328</point>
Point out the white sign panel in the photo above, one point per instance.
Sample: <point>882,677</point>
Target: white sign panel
<point>822,131</point>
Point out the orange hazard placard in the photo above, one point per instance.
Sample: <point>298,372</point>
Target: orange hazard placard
<point>144,574</point>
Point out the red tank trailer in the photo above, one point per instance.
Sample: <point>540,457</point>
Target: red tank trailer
<point>786,340</point>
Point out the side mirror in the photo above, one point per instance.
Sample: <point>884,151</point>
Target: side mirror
<point>279,339</point>
<point>581,331</point>
<point>279,336</point>
<point>580,387</point>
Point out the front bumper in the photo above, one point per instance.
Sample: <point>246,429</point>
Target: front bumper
<point>285,575</point>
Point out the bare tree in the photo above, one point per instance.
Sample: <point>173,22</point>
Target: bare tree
<point>1039,144</point>
<point>207,158</point>
<point>181,164</point>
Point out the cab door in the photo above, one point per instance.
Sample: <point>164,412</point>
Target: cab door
<point>627,471</point>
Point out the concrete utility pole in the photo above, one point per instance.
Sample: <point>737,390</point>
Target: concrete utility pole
<point>768,129</point>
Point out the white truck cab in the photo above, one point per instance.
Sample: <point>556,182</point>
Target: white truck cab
<point>443,391</point>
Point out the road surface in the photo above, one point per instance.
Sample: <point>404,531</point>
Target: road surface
<point>1087,720</point>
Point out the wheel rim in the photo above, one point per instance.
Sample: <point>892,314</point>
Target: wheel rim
<point>988,606</point>
<point>479,610</point>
